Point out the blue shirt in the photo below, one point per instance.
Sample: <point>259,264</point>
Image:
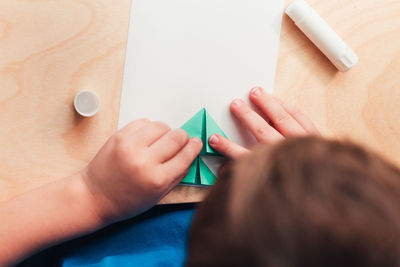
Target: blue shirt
<point>155,238</point>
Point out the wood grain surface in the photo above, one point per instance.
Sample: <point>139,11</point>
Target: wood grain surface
<point>362,104</point>
<point>52,49</point>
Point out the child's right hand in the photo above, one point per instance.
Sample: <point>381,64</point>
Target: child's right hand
<point>137,166</point>
<point>277,121</point>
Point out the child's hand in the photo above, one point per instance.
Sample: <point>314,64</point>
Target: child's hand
<point>138,166</point>
<point>277,121</point>
<point>131,173</point>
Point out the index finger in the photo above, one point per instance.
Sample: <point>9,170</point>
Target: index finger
<point>176,166</point>
<point>151,132</point>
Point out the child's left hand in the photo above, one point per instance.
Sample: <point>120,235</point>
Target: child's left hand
<point>138,165</point>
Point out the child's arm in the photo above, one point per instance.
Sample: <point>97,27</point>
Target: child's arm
<point>131,173</point>
<point>278,120</point>
<point>44,217</point>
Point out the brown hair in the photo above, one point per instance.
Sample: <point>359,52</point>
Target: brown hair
<point>312,202</point>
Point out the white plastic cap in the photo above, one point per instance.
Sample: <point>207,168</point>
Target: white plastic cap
<point>297,10</point>
<point>347,61</point>
<point>87,103</point>
<point>322,35</point>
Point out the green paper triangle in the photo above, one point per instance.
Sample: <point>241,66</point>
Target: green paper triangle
<point>202,126</point>
<point>212,128</point>
<point>194,126</point>
<point>193,173</point>
<point>207,177</point>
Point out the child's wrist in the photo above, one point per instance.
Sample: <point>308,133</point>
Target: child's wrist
<point>79,188</point>
<point>66,208</point>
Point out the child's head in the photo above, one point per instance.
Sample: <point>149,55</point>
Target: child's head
<point>304,202</point>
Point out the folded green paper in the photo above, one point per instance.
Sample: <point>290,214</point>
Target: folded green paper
<point>202,126</point>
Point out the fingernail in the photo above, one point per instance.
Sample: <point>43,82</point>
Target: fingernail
<point>197,140</point>
<point>256,91</point>
<point>213,140</point>
<point>237,102</point>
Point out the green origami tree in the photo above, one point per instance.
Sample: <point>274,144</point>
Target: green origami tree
<point>202,126</point>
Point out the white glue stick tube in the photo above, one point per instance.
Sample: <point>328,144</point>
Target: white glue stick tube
<point>322,35</point>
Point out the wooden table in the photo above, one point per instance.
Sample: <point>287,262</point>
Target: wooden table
<point>52,49</point>
<point>363,104</point>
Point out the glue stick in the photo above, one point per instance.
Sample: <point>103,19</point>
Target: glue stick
<point>322,35</point>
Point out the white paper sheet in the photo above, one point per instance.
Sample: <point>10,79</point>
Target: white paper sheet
<point>184,55</point>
